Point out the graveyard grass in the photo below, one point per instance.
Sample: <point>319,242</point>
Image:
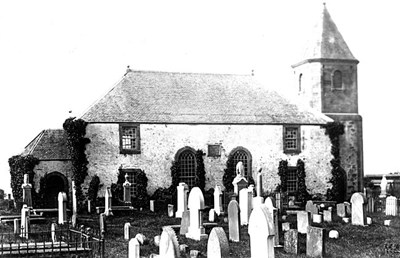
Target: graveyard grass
<point>354,241</point>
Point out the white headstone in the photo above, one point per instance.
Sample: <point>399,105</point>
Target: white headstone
<point>127,229</point>
<point>358,209</point>
<point>257,201</point>
<point>152,205</point>
<point>386,222</point>
<point>233,221</point>
<point>218,245</point>
<point>27,191</point>
<point>74,201</point>
<point>24,221</point>
<point>196,230</point>
<point>169,245</point>
<point>54,232</point>
<point>182,195</point>
<point>245,200</point>
<point>261,231</point>
<point>239,181</point>
<point>383,186</point>
<point>218,200</point>
<point>62,208</point>
<point>317,218</point>
<point>333,234</point>
<point>269,203</point>
<point>108,202</point>
<point>211,215</point>
<point>134,248</point>
<point>170,210</point>
<point>17,226</point>
<point>303,221</point>
<point>369,221</point>
<point>327,215</point>
<point>391,206</point>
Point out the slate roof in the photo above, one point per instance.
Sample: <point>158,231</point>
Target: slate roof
<point>164,97</point>
<point>326,41</point>
<point>50,144</point>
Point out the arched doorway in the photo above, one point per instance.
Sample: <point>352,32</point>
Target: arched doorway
<point>55,182</point>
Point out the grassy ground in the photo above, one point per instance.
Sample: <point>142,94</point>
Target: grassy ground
<point>354,241</point>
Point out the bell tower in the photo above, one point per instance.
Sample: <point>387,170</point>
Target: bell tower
<point>327,82</point>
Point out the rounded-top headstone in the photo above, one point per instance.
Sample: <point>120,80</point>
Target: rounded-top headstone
<point>358,198</point>
<point>196,199</point>
<point>169,244</point>
<point>218,245</point>
<point>261,217</point>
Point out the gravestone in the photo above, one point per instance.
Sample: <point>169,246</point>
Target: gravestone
<point>315,242</point>
<point>127,190</point>
<point>317,218</point>
<point>27,191</point>
<point>391,206</point>
<point>327,215</point>
<point>74,201</point>
<point>108,202</point>
<point>347,206</point>
<point>142,239</point>
<point>341,210</point>
<point>311,207</point>
<point>152,205</point>
<point>383,186</point>
<point>170,210</point>
<point>291,242</point>
<point>233,221</point>
<point>278,201</point>
<point>102,222</point>
<point>257,201</point>
<point>53,229</point>
<point>239,182</point>
<point>196,230</point>
<point>218,207</point>
<point>371,204</point>
<point>17,226</point>
<point>259,187</point>
<point>274,212</point>
<point>62,208</point>
<point>134,248</point>
<point>261,231</point>
<point>89,206</point>
<point>303,221</point>
<point>182,195</point>
<point>25,221</point>
<point>185,222</point>
<point>169,245</point>
<point>127,231</point>
<point>245,198</point>
<point>285,226</point>
<point>218,245</point>
<point>211,215</point>
<point>74,220</point>
<point>358,207</point>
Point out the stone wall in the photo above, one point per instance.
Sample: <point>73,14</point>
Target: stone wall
<point>161,142</point>
<point>47,166</point>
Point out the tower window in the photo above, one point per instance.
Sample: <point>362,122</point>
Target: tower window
<point>337,82</point>
<point>300,81</point>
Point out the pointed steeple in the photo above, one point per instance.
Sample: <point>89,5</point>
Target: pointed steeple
<point>326,42</point>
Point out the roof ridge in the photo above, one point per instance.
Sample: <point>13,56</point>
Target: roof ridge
<point>35,141</point>
<point>194,73</point>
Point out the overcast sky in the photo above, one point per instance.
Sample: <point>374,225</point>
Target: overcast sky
<point>57,56</point>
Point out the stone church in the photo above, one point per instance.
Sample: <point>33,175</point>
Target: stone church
<point>150,119</point>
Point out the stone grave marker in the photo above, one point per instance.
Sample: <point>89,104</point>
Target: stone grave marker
<point>218,207</point>
<point>218,245</point>
<point>25,221</point>
<point>303,221</point>
<point>269,202</point>
<point>358,206</point>
<point>157,240</point>
<point>74,201</point>
<point>291,242</point>
<point>152,205</point>
<point>211,215</point>
<point>108,202</point>
<point>185,222</point>
<point>134,248</point>
<point>317,218</point>
<point>257,201</point>
<point>285,226</point>
<point>170,210</point>
<point>239,182</point>
<point>278,201</point>
<point>196,230</point>
<point>233,221</point>
<point>327,215</point>
<point>333,234</point>
<point>311,207</point>
<point>383,186</point>
<point>341,210</point>
<point>62,208</point>
<point>27,191</point>
<point>17,226</point>
<point>182,195</point>
<point>391,206</point>
<point>127,190</point>
<point>74,220</point>
<point>245,198</point>
<point>259,187</point>
<point>347,206</point>
<point>127,231</point>
<point>169,245</point>
<point>261,231</point>
<point>102,222</point>
<point>315,242</point>
<point>142,239</point>
<point>53,230</point>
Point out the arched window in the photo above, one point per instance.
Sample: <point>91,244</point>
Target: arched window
<point>187,166</point>
<point>243,155</point>
<point>337,82</point>
<point>300,81</point>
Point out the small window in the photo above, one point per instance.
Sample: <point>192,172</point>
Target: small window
<point>132,174</point>
<point>129,139</point>
<point>214,150</point>
<point>292,180</point>
<point>300,81</point>
<point>291,139</point>
<point>337,82</point>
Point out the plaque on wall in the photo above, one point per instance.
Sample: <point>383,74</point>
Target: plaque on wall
<point>214,150</point>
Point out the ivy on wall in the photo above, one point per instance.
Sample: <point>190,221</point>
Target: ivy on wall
<point>94,186</point>
<point>200,180</point>
<point>282,172</point>
<point>76,142</point>
<point>142,197</point>
<point>302,194</point>
<point>229,174</point>
<point>338,180</point>
<point>20,165</point>
<point>174,175</point>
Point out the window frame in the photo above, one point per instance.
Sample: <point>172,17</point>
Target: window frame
<point>178,158</point>
<point>247,165</point>
<point>296,180</point>
<point>123,150</point>
<point>298,139</point>
<point>333,80</point>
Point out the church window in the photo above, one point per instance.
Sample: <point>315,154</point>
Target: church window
<point>291,139</point>
<point>132,174</point>
<point>129,138</point>
<point>292,180</point>
<point>243,155</point>
<point>187,166</point>
<point>337,82</point>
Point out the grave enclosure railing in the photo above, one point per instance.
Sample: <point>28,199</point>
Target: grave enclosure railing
<point>62,242</point>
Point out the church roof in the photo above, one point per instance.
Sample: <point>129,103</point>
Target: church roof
<point>326,42</point>
<point>50,144</point>
<point>164,97</point>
